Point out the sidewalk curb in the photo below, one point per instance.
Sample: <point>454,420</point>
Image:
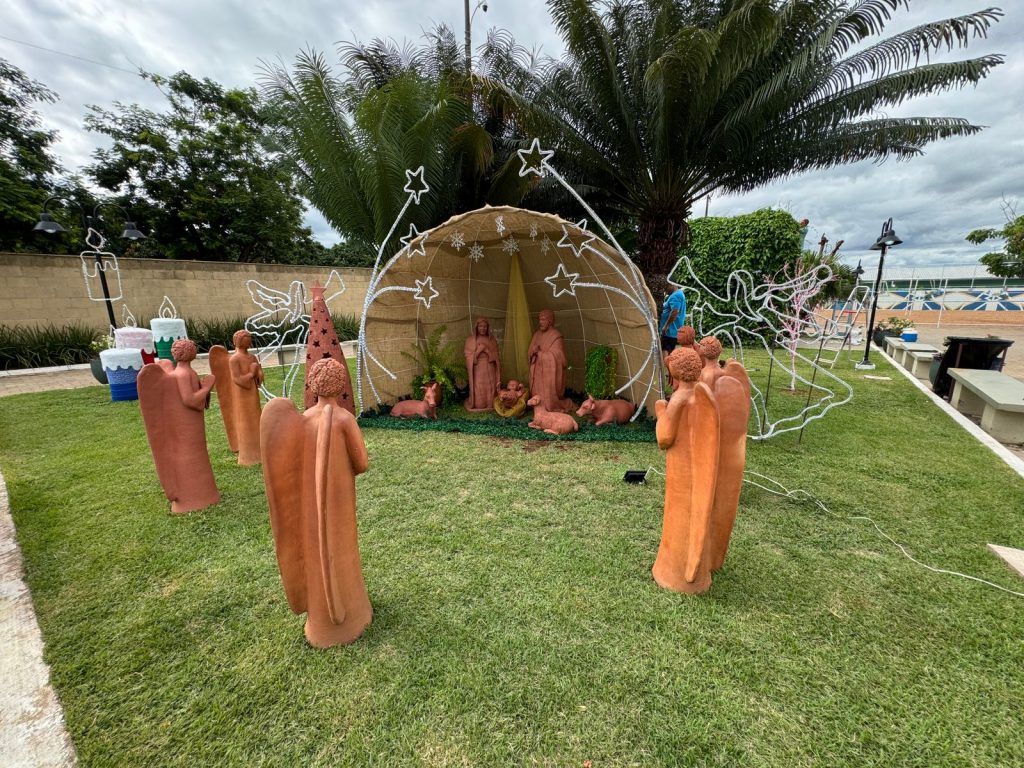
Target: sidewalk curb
<point>32,731</point>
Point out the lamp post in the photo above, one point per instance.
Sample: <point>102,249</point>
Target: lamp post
<point>887,239</point>
<point>49,225</point>
<point>480,4</point>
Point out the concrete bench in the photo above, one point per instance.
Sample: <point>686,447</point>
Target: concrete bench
<point>996,397</point>
<point>898,349</point>
<point>919,363</point>
<point>894,346</point>
<point>905,358</point>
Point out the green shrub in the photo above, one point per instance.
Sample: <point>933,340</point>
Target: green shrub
<point>346,326</point>
<point>44,346</point>
<point>601,364</point>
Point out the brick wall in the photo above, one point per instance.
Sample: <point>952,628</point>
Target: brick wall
<point>40,288</point>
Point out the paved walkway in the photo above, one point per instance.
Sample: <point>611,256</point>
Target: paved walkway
<point>68,377</point>
<point>32,732</point>
<point>1014,356</point>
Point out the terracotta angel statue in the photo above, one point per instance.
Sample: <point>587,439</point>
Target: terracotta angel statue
<point>483,367</point>
<point>239,376</point>
<point>173,402</point>
<point>310,462</point>
<point>732,394</point>
<point>547,365</point>
<point>687,429</point>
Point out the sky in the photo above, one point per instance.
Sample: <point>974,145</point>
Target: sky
<point>934,200</point>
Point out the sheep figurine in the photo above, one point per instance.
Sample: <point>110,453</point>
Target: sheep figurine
<point>552,422</point>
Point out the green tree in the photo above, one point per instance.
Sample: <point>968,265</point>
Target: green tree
<point>202,177</point>
<point>658,103</point>
<point>1008,262</point>
<point>353,133</point>
<point>27,165</point>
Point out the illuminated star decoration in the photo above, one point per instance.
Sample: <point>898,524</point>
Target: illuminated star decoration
<point>458,240</point>
<point>476,251</point>
<point>562,281</point>
<point>566,242</point>
<point>510,246</point>
<point>534,159</point>
<point>413,250</point>
<point>545,245</point>
<point>425,291</point>
<point>415,184</point>
<point>499,224</point>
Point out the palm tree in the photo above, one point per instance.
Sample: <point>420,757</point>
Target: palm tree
<point>350,150</point>
<point>350,137</point>
<point>660,102</point>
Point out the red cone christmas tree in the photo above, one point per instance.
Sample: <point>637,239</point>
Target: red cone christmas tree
<point>322,342</point>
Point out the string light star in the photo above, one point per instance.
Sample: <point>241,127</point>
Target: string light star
<point>510,246</point>
<point>499,224</point>
<point>562,281</point>
<point>476,251</point>
<point>414,250</point>
<point>415,184</point>
<point>458,240</point>
<point>425,291</point>
<point>534,159</point>
<point>581,228</point>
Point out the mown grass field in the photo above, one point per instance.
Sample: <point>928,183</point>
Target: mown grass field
<point>516,621</point>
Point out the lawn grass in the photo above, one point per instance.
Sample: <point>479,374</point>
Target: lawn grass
<point>516,621</point>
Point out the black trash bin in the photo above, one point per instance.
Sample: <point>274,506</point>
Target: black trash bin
<point>985,354</point>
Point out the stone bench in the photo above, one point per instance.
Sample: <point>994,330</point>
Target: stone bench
<point>996,397</point>
<point>894,346</point>
<point>898,349</point>
<point>909,347</point>
<point>919,363</point>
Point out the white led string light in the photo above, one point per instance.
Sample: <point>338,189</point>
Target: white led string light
<point>283,317</point>
<point>107,264</point>
<point>535,161</point>
<point>778,489</point>
<point>741,291</point>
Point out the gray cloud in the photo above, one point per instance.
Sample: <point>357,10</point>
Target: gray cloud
<point>935,199</point>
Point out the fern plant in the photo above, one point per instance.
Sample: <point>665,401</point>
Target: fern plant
<point>438,361</point>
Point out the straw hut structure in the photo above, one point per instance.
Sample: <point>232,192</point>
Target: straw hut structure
<point>507,264</point>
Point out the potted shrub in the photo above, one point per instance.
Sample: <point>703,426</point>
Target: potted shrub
<point>97,345</point>
<point>892,326</point>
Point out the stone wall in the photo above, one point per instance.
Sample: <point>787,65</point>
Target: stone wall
<point>38,288</point>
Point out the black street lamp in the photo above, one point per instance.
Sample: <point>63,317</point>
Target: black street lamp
<point>886,240</point>
<point>480,4</point>
<point>50,226</point>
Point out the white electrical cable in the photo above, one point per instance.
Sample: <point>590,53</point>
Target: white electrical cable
<point>801,495</point>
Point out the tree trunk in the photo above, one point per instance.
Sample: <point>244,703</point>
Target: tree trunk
<point>659,240</point>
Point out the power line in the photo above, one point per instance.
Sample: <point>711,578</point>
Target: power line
<point>70,55</point>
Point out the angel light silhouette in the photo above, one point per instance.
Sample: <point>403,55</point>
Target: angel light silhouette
<point>754,311</point>
<point>283,321</point>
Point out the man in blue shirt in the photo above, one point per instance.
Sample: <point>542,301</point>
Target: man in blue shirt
<point>673,315</point>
